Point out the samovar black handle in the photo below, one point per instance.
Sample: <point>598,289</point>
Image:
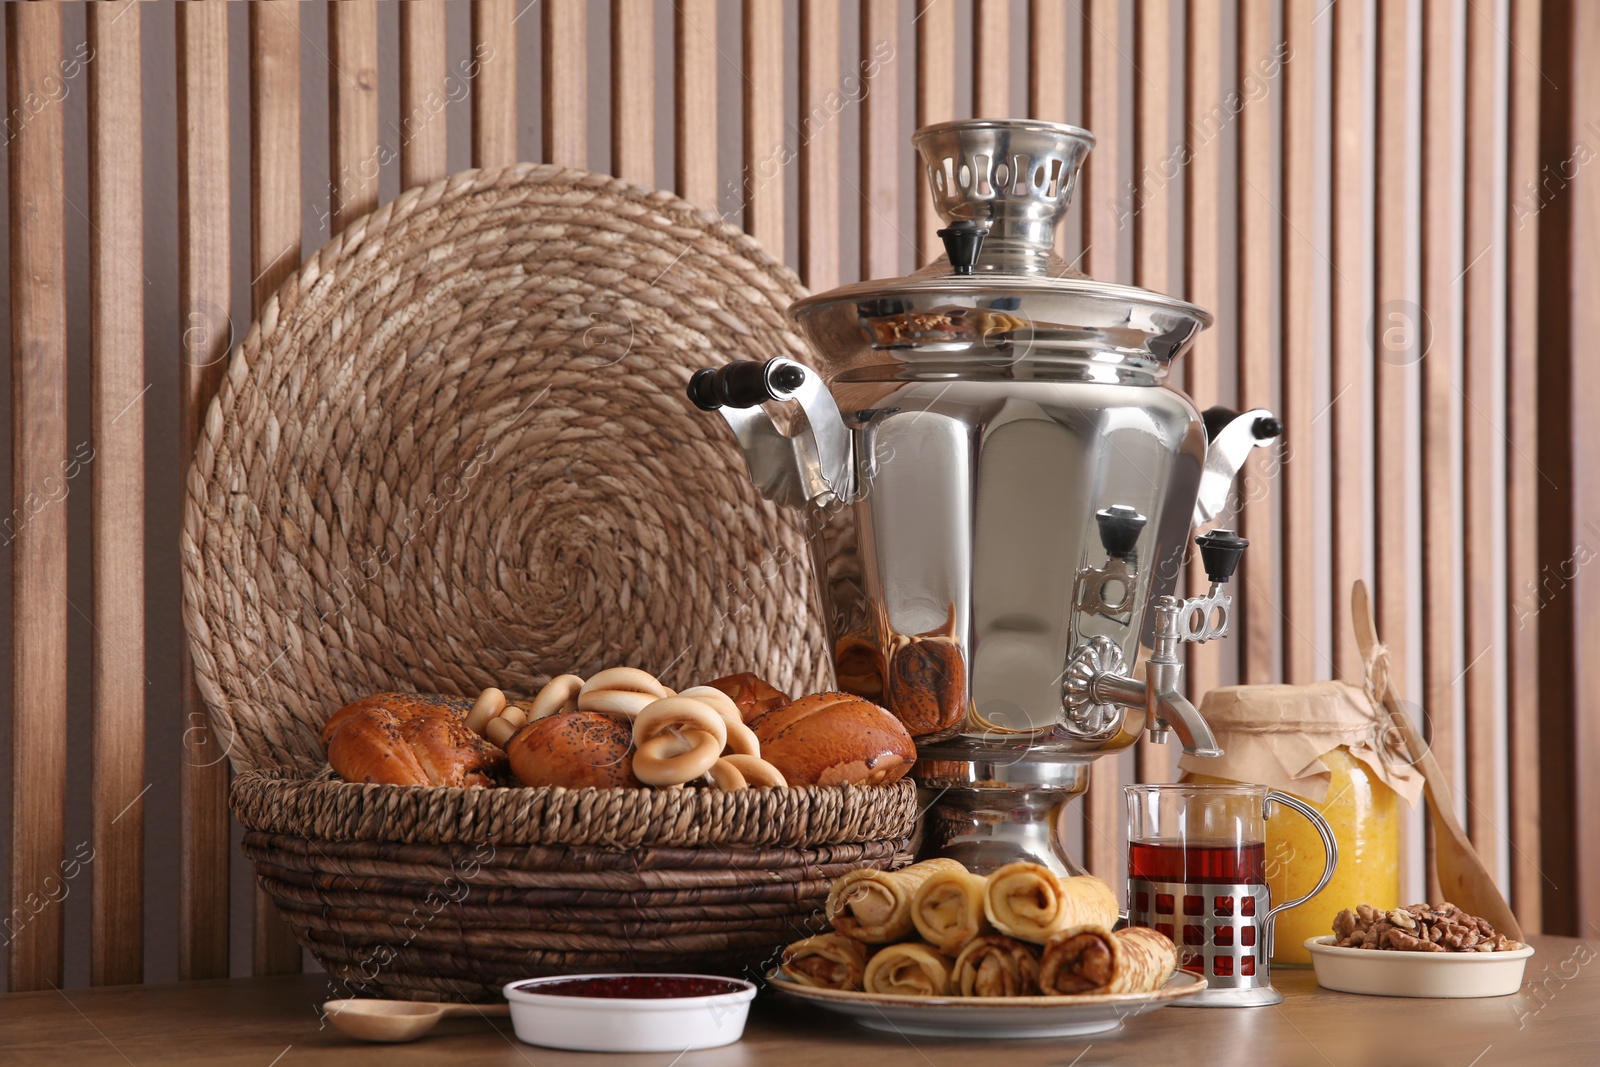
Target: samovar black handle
<point>1267,426</point>
<point>744,383</point>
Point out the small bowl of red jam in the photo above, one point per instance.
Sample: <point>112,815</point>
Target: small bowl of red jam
<point>630,1012</point>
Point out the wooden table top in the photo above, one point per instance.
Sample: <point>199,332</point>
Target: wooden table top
<point>274,1022</point>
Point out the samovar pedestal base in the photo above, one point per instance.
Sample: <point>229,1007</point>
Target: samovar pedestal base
<point>988,809</point>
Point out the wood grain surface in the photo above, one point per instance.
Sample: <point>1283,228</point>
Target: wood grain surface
<point>37,526</point>
<point>1551,1022</point>
<point>205,292</point>
<point>275,223</point>
<point>117,287</point>
<point>424,118</point>
<point>494,86</point>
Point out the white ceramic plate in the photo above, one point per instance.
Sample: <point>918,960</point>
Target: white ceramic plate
<point>1384,973</point>
<point>992,1017</point>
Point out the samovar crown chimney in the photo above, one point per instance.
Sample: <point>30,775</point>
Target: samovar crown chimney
<point>1012,177</point>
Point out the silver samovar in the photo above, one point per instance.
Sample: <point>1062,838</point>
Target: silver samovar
<point>1000,487</point>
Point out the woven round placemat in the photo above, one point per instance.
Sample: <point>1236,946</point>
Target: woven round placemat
<point>330,809</point>
<point>455,451</point>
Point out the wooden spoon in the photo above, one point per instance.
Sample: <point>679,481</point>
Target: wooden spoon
<point>1462,877</point>
<point>398,1020</point>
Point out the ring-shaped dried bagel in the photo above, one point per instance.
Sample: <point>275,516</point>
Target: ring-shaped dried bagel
<point>624,691</point>
<point>741,739</point>
<point>489,704</point>
<point>757,771</point>
<point>559,694</point>
<point>726,777</point>
<point>676,740</point>
<point>714,698</point>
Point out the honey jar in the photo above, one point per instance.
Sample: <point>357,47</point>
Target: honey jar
<point>1325,743</point>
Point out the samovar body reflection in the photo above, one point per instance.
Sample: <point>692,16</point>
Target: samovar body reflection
<point>1001,487</point>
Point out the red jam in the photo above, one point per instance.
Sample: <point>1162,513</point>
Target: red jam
<point>635,987</point>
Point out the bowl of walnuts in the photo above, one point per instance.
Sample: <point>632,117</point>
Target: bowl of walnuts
<point>1424,950</point>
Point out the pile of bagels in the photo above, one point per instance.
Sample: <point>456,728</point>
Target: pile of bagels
<point>623,728</point>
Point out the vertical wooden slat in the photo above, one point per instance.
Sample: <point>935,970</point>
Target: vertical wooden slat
<point>991,59</point>
<point>274,257</point>
<point>1047,60</point>
<point>1585,326</point>
<point>764,141</point>
<point>1440,515</point>
<point>1396,343</point>
<point>1481,429</point>
<point>883,146</point>
<point>936,98</point>
<point>494,90</point>
<point>1256,588</point>
<point>1522,472</point>
<point>205,286</point>
<point>1150,199</point>
<point>1297,480</point>
<point>36,170</point>
<point>565,47</point>
<point>1104,813</point>
<point>352,109</point>
<point>1205,115</point>
<point>819,145</point>
<point>633,91</point>
<point>1047,71</point>
<point>116,324</point>
<point>1348,318</point>
<point>424,123</point>
<point>695,79</point>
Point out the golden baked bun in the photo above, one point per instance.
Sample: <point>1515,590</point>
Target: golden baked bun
<point>754,696</point>
<point>410,739</point>
<point>575,749</point>
<point>834,738</point>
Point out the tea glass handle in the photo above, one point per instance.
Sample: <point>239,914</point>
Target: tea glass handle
<point>1330,845</point>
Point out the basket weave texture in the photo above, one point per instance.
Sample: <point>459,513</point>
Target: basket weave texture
<point>455,452</point>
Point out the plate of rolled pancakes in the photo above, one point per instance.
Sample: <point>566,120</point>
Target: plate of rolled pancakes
<point>934,949</point>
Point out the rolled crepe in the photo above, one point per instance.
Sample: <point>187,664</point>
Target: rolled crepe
<point>996,966</point>
<point>948,910</point>
<point>1092,959</point>
<point>1028,902</point>
<point>875,906</point>
<point>909,969</point>
<point>827,961</point>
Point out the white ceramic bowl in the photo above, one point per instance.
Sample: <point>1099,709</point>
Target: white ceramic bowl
<point>629,1012</point>
<point>1385,973</point>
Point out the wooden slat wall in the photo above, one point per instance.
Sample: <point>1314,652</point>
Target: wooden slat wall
<point>1298,484</point>
<point>695,79</point>
<point>1440,518</point>
<point>1504,254</point>
<point>354,154</point>
<point>424,127</point>
<point>633,98</point>
<point>116,280</point>
<point>274,257</point>
<point>494,88</point>
<point>1104,810</point>
<point>1522,473</point>
<point>205,292</point>
<point>38,538</point>
<point>1255,588</point>
<point>765,142</point>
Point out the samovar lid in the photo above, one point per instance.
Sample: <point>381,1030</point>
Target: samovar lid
<point>1001,186</point>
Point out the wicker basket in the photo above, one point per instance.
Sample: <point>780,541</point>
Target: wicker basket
<point>454,452</point>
